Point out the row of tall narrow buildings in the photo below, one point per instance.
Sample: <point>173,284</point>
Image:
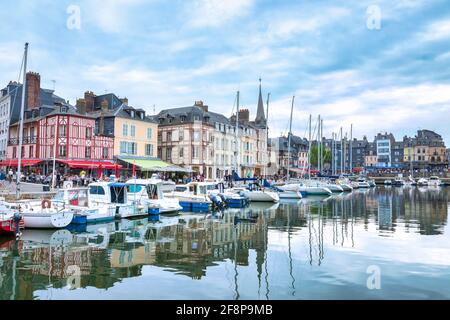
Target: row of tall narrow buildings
<point>104,130</point>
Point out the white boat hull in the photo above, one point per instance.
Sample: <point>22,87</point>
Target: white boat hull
<point>184,197</point>
<point>334,188</point>
<point>262,196</point>
<point>315,190</point>
<point>346,187</point>
<point>47,220</point>
<point>290,195</point>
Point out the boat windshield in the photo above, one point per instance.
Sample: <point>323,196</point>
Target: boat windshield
<point>73,198</point>
<point>152,191</point>
<point>134,188</point>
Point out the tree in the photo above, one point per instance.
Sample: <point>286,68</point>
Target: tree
<point>326,155</point>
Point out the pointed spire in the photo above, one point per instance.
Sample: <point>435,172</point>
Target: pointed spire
<point>260,115</point>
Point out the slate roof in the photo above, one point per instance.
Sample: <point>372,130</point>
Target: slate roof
<point>173,116</point>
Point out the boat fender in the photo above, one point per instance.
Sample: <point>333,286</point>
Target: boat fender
<point>46,204</point>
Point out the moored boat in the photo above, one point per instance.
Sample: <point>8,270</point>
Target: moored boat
<point>149,193</point>
<point>45,214</point>
<point>434,181</point>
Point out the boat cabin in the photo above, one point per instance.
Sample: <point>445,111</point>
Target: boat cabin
<point>73,197</point>
<point>200,188</point>
<point>108,192</point>
<point>145,189</point>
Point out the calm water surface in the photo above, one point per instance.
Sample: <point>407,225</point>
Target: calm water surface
<point>318,248</point>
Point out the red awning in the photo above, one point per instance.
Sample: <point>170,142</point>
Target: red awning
<point>90,164</point>
<point>15,162</point>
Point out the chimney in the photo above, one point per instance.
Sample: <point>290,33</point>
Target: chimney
<point>89,101</point>
<point>244,115</point>
<point>81,106</point>
<point>201,105</point>
<point>33,90</point>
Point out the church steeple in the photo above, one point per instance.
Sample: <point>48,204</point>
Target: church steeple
<point>260,115</point>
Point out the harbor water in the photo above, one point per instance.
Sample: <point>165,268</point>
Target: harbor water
<point>380,243</point>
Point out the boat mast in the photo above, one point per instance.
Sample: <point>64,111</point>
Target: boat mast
<point>309,149</point>
<point>21,116</point>
<point>236,134</point>
<point>267,136</point>
<point>332,153</point>
<point>289,140</point>
<point>318,144</point>
<point>342,153</point>
<point>351,148</point>
<point>322,160</point>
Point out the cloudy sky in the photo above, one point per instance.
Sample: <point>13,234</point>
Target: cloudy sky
<point>336,57</point>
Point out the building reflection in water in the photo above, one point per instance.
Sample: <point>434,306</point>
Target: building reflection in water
<point>188,244</point>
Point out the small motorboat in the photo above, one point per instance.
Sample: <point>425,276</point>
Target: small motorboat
<point>85,211</point>
<point>422,182</point>
<point>333,187</point>
<point>398,182</point>
<point>111,198</point>
<point>255,193</point>
<point>344,184</point>
<point>388,182</point>
<point>45,214</point>
<point>308,188</point>
<point>7,221</point>
<point>288,194</point>
<point>362,183</point>
<point>434,181</point>
<point>149,193</point>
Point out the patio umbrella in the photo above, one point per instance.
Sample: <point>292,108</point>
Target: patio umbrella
<point>100,171</point>
<point>133,171</point>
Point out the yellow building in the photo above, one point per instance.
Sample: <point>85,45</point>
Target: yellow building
<point>135,134</point>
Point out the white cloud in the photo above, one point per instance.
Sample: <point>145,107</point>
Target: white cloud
<point>111,16</point>
<point>286,28</point>
<point>436,31</point>
<point>213,13</point>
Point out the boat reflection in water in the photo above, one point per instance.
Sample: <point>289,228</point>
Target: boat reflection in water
<point>316,248</point>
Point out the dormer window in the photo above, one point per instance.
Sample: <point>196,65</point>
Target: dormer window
<point>206,119</point>
<point>132,113</point>
<point>183,118</point>
<point>63,109</point>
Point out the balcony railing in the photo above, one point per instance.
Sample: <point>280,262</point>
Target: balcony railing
<point>26,140</point>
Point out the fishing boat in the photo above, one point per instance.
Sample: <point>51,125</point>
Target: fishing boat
<point>398,182</point>
<point>434,181</point>
<point>345,184</point>
<point>7,222</point>
<point>149,193</point>
<point>255,193</point>
<point>422,182</point>
<point>308,188</point>
<point>287,193</point>
<point>85,211</point>
<point>45,214</point>
<point>411,181</point>
<point>193,196</point>
<point>362,183</point>
<point>112,198</point>
<point>333,187</point>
